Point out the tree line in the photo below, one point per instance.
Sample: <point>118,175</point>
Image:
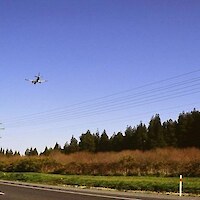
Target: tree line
<point>181,133</point>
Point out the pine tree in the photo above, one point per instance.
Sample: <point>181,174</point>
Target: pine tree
<point>130,138</point>
<point>73,146</point>
<point>169,131</point>
<point>57,147</point>
<point>155,133</point>
<point>104,144</point>
<point>141,137</point>
<point>181,130</point>
<point>117,142</point>
<point>87,142</point>
<point>188,129</point>
<point>194,132</point>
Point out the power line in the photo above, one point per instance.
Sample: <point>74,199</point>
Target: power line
<point>171,91</point>
<point>118,118</point>
<point>111,95</point>
<point>123,104</point>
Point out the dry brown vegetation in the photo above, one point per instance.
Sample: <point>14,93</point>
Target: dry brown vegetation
<point>160,162</point>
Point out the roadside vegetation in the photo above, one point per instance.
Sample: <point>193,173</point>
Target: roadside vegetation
<point>159,162</point>
<point>141,183</point>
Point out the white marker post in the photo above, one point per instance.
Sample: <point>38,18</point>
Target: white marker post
<point>180,186</point>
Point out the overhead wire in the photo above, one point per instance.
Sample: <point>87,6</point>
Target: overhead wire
<point>131,117</point>
<point>106,96</point>
<point>112,107</point>
<point>115,104</point>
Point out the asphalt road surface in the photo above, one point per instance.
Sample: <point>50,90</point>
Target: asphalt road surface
<point>15,191</point>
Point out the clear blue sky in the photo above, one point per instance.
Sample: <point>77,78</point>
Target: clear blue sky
<point>96,55</point>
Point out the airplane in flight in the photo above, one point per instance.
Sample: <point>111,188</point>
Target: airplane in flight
<point>37,79</point>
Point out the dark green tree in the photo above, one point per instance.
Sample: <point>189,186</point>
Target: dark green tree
<point>130,138</point>
<point>141,137</point>
<point>117,142</point>
<point>194,131</point>
<point>188,129</point>
<point>96,141</point>
<point>87,142</point>
<point>155,133</point>
<point>104,143</point>
<point>169,131</point>
<point>181,131</point>
<point>73,146</point>
<point>57,147</point>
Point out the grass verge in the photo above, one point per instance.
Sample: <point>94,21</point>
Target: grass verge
<point>144,183</point>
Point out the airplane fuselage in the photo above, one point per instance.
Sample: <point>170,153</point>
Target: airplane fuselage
<point>37,80</point>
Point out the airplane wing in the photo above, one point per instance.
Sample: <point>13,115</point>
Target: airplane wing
<point>28,80</point>
<point>32,81</point>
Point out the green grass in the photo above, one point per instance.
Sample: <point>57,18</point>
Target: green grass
<point>157,184</point>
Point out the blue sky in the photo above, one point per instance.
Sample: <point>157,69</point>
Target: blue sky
<point>104,60</point>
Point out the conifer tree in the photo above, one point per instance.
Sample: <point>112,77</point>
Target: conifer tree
<point>129,138</point>
<point>73,146</point>
<point>104,144</point>
<point>141,137</point>
<point>117,142</point>
<point>87,142</point>
<point>155,133</point>
<point>169,131</point>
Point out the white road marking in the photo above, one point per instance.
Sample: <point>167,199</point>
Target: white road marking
<point>71,192</point>
<point>1,193</point>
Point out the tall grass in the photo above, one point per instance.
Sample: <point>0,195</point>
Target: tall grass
<point>159,162</point>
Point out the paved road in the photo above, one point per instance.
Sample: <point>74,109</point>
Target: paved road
<point>14,191</point>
